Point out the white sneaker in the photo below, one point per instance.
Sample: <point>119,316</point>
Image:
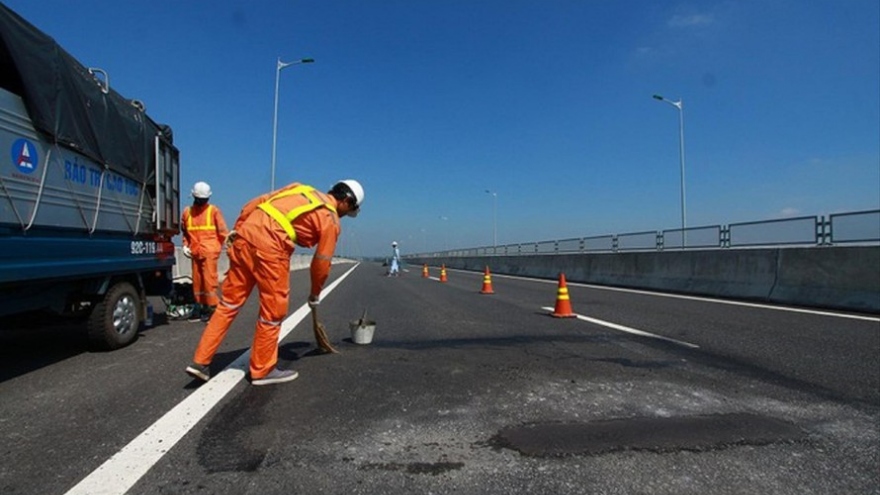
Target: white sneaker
<point>276,376</point>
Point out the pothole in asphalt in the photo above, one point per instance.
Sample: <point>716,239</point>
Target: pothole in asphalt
<point>431,468</point>
<point>656,434</point>
<point>629,363</point>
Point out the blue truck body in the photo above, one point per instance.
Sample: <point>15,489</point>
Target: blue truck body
<point>89,192</point>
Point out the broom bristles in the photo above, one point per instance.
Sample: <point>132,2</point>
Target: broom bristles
<point>322,340</point>
<point>321,334</point>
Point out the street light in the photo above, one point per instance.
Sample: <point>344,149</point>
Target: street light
<point>445,234</point>
<point>494,218</point>
<point>278,68</point>
<point>678,105</point>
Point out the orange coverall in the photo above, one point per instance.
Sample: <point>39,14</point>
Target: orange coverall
<point>204,232</point>
<point>268,229</point>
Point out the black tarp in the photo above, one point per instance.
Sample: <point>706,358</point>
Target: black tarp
<point>67,103</point>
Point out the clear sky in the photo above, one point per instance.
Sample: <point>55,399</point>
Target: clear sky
<point>547,103</point>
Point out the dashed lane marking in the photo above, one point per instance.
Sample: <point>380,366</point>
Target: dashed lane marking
<point>631,330</point>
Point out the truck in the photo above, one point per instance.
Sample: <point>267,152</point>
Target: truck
<point>89,193</point>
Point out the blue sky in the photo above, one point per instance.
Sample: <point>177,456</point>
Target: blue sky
<point>546,103</point>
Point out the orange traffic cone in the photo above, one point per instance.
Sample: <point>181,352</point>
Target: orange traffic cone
<point>487,283</point>
<point>563,304</point>
<point>425,271</point>
<point>443,273</point>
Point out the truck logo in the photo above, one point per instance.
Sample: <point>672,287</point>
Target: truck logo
<point>24,156</point>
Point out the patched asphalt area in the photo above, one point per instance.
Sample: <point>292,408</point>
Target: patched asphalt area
<point>653,434</point>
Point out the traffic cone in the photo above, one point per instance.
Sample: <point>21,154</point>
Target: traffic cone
<point>487,283</point>
<point>443,273</point>
<point>425,271</point>
<point>563,304</point>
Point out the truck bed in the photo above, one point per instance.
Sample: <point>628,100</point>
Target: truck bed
<point>46,185</point>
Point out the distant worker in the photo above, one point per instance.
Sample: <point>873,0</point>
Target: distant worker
<point>204,233</point>
<point>261,243</point>
<point>395,260</point>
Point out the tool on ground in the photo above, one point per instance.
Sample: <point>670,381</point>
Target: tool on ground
<point>321,333</point>
<point>362,329</point>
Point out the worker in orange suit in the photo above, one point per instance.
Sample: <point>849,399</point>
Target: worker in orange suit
<point>204,233</point>
<point>261,243</point>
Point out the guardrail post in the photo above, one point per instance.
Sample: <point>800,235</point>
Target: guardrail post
<point>823,231</point>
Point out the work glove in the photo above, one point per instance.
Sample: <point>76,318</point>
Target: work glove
<point>187,252</point>
<point>230,238</point>
<point>314,302</point>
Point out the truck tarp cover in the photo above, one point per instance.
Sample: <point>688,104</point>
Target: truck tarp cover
<point>67,103</point>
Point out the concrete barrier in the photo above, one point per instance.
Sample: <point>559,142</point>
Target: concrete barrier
<point>182,271</point>
<point>827,277</point>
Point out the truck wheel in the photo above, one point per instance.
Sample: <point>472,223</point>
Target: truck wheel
<point>116,319</point>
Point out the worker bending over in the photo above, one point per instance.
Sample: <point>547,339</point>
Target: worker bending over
<point>261,243</point>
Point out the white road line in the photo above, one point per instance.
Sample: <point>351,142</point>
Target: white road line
<point>631,330</point>
<point>119,473</point>
<point>691,298</point>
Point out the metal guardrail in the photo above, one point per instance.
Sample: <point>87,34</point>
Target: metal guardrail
<point>857,227</point>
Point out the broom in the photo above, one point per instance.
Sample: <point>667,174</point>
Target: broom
<point>321,333</point>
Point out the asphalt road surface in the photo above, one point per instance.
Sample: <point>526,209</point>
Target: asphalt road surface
<point>459,393</point>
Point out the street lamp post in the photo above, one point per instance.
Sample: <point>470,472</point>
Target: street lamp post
<point>445,234</point>
<point>278,68</point>
<point>678,105</point>
<point>494,218</point>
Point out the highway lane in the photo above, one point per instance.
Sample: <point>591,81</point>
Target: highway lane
<point>823,352</point>
<point>439,401</point>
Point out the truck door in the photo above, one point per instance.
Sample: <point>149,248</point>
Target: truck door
<point>167,188</point>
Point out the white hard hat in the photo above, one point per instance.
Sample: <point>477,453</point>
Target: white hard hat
<point>201,190</point>
<point>394,243</point>
<point>356,189</point>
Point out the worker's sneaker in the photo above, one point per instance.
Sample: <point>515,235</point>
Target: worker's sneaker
<point>196,314</point>
<point>207,313</point>
<point>200,371</point>
<point>276,376</point>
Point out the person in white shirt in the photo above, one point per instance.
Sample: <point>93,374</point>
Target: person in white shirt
<point>395,261</point>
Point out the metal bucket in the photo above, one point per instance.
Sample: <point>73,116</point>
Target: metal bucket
<point>362,331</point>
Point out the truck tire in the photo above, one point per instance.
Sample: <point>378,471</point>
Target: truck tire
<point>116,319</point>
